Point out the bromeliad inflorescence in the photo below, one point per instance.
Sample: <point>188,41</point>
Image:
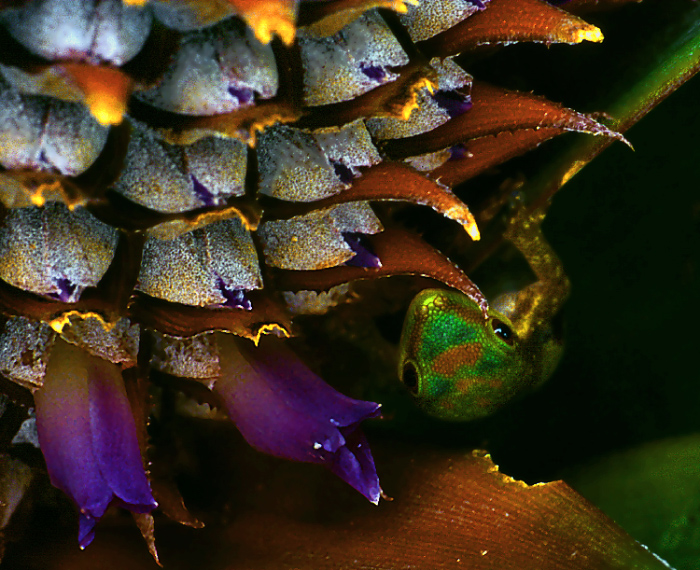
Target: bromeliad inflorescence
<point>179,178</point>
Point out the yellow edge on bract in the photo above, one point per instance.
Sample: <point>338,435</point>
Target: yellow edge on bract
<point>493,468</point>
<point>135,2</point>
<point>59,323</point>
<point>466,219</point>
<point>174,228</point>
<point>270,328</point>
<point>408,108</point>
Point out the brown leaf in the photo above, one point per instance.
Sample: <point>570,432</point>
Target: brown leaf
<point>493,111</point>
<point>401,253</point>
<point>145,523</point>
<point>486,152</point>
<point>171,504</point>
<point>242,124</point>
<point>175,319</point>
<point>527,21</point>
<point>388,181</point>
<point>450,511</point>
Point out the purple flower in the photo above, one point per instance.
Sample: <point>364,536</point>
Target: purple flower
<point>88,436</point>
<point>453,102</point>
<point>284,409</point>
<point>364,256</point>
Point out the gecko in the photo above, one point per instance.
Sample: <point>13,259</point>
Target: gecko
<point>461,366</point>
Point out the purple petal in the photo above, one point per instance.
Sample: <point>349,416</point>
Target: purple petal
<point>63,427</point>
<point>343,172</point>
<point>202,192</point>
<point>244,95</point>
<point>66,290</point>
<point>454,102</point>
<point>235,298</point>
<point>86,530</point>
<point>88,438</point>
<point>458,152</point>
<point>374,72</point>
<point>364,256</point>
<point>114,437</point>
<point>284,409</point>
<point>300,388</point>
<point>354,464</point>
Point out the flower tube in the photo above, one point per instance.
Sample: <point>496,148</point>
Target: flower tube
<point>284,409</point>
<point>88,436</point>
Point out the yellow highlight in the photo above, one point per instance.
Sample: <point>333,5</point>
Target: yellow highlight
<point>107,112</point>
<point>462,215</point>
<point>572,171</point>
<point>272,20</point>
<point>401,6</point>
<point>408,108</point>
<point>472,230</point>
<point>37,198</point>
<point>135,2</point>
<point>589,33</point>
<point>105,89</point>
<point>59,323</point>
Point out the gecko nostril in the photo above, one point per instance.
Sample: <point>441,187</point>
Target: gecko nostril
<point>409,377</point>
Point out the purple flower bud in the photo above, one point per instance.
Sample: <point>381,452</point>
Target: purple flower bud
<point>454,102</point>
<point>284,409</point>
<point>364,256</point>
<point>88,436</point>
<point>374,72</point>
<point>235,298</point>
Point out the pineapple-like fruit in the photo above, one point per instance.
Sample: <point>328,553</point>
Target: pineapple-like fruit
<point>181,177</point>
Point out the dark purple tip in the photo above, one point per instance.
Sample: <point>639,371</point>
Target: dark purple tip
<point>66,290</point>
<point>458,152</point>
<point>364,256</point>
<point>282,408</point>
<point>202,192</point>
<point>478,3</point>
<point>454,102</point>
<point>374,72</point>
<point>343,172</point>
<point>245,96</point>
<point>43,162</point>
<point>235,298</point>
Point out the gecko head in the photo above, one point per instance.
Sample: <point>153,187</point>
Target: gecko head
<point>457,364</point>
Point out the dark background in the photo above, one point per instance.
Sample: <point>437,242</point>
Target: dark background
<point>627,228</point>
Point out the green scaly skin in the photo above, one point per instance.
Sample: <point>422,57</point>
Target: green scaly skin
<point>460,366</point>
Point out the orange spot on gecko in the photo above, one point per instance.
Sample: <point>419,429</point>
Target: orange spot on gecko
<point>448,362</point>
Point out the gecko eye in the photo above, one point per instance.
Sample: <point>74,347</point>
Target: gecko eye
<point>503,331</point>
<point>409,377</point>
